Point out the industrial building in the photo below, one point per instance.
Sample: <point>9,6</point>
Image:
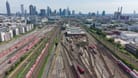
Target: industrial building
<point>74,31</point>
<point>128,35</point>
<point>133,27</point>
<point>15,31</point>
<point>22,30</point>
<point>12,26</point>
<point>5,34</point>
<point>132,48</point>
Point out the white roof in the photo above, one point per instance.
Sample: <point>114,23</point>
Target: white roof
<point>129,33</point>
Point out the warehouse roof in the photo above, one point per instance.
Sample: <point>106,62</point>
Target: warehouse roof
<point>74,30</point>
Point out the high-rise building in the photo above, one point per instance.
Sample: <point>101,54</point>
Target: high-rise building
<point>64,12</point>
<point>60,12</point>
<point>32,10</point>
<point>103,13</point>
<point>73,12</point>
<point>67,12</point>
<point>42,12</point>
<point>118,13</point>
<point>134,13</point>
<point>25,14</point>
<point>8,8</point>
<point>48,11</point>
<point>22,10</point>
<point>80,13</point>
<point>97,14</point>
<point>55,12</point>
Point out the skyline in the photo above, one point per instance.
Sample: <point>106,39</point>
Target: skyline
<point>88,5</point>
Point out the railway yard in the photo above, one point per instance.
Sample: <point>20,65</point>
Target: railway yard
<point>51,52</point>
<point>82,56</point>
<point>18,53</point>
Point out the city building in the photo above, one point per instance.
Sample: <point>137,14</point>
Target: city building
<point>32,10</point>
<point>128,35</point>
<point>42,12</point>
<point>103,13</point>
<point>74,31</point>
<point>13,26</point>
<point>15,31</point>
<point>133,27</point>
<point>132,48</point>
<point>8,8</point>
<point>73,12</point>
<point>21,30</point>
<point>49,11</point>
<point>5,34</point>
<point>118,14</point>
<point>28,27</point>
<point>22,10</point>
<point>60,12</point>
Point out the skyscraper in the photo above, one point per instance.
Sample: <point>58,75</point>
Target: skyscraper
<point>25,14</point>
<point>22,10</point>
<point>48,11</point>
<point>8,8</point>
<point>32,10</point>
<point>97,14</point>
<point>55,12</point>
<point>42,12</point>
<point>73,12</point>
<point>103,13</point>
<point>60,12</point>
<point>64,12</point>
<point>67,11</point>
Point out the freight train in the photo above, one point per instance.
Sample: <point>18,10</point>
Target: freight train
<point>78,70</point>
<point>93,48</point>
<point>132,73</point>
<point>123,66</point>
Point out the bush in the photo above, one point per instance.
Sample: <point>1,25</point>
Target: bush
<point>111,40</point>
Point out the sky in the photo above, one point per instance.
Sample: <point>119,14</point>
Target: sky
<point>78,5</point>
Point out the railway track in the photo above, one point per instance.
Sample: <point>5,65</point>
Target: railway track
<point>90,61</point>
<point>99,55</point>
<point>110,56</point>
<point>38,35</point>
<point>75,57</point>
<point>105,53</point>
<point>46,54</point>
<point>67,62</point>
<point>105,63</point>
<point>66,49</point>
<point>32,54</point>
<point>14,58</point>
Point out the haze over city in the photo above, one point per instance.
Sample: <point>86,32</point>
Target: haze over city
<point>84,6</point>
